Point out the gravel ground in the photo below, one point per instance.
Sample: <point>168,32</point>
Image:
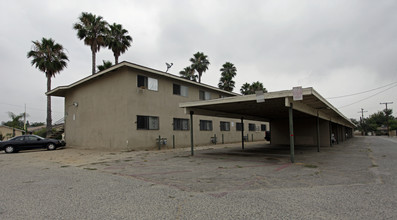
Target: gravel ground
<point>353,180</point>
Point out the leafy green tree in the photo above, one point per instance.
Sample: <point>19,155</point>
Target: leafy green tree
<point>106,64</point>
<point>50,58</point>
<point>228,72</point>
<point>247,89</point>
<point>378,120</point>
<point>200,63</point>
<point>92,29</point>
<point>188,73</point>
<point>36,124</point>
<point>118,40</point>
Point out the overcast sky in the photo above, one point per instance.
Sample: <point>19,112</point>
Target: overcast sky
<point>336,47</point>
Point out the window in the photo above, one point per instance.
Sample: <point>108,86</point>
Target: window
<point>147,122</point>
<point>204,95</point>
<point>147,83</point>
<point>18,138</point>
<point>239,126</point>
<point>181,124</point>
<point>180,90</point>
<point>263,127</point>
<point>205,125</point>
<point>251,127</point>
<point>31,138</point>
<point>225,126</point>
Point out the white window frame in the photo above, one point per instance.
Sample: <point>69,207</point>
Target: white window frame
<point>149,83</point>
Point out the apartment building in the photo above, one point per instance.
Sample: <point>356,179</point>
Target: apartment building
<point>128,106</point>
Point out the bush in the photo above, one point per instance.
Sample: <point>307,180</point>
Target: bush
<point>42,132</point>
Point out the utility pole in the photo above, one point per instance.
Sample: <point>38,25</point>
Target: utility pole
<point>24,120</point>
<point>362,120</point>
<point>387,116</point>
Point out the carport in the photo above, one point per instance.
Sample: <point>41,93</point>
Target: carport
<point>297,117</point>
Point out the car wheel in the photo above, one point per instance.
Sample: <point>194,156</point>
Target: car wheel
<point>9,149</point>
<point>51,146</point>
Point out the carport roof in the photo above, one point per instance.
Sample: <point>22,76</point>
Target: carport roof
<point>275,106</point>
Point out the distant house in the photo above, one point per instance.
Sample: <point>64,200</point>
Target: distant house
<point>129,106</point>
<point>9,132</point>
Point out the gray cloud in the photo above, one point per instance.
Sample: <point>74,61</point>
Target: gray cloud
<point>338,47</point>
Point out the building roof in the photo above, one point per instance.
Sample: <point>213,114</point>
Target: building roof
<point>61,90</point>
<point>275,106</point>
<point>17,129</point>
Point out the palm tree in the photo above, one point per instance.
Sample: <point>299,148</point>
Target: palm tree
<point>16,120</point>
<point>92,29</point>
<point>257,86</point>
<point>188,73</point>
<point>199,63</point>
<point>50,58</point>
<point>118,40</point>
<point>247,89</point>
<point>228,72</point>
<point>106,64</point>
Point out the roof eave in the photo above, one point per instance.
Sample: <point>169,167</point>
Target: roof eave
<point>61,90</point>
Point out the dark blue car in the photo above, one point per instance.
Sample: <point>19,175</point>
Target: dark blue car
<point>29,142</point>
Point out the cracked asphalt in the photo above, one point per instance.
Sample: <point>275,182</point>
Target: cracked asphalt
<point>356,179</point>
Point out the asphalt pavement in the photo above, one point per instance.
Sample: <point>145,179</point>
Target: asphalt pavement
<point>356,179</point>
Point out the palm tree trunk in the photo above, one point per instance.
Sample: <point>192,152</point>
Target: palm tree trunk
<point>116,60</point>
<point>49,119</point>
<point>93,61</point>
<point>199,77</point>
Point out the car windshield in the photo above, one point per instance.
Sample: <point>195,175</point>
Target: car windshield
<point>30,137</point>
<point>15,138</point>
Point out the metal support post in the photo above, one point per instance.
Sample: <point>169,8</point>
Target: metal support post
<point>191,133</point>
<point>291,133</point>
<point>173,141</point>
<point>318,133</point>
<point>330,133</point>
<point>242,133</point>
<point>159,142</point>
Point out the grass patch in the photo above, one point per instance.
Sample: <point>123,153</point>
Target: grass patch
<point>88,168</point>
<point>310,166</point>
<point>65,166</point>
<point>374,165</point>
<point>238,166</point>
<point>369,150</point>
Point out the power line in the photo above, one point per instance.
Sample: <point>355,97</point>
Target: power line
<point>358,93</point>
<point>368,97</point>
<point>30,108</point>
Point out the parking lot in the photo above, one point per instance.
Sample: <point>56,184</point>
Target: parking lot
<point>352,180</point>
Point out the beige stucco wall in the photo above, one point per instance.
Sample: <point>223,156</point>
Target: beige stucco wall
<point>107,110</point>
<point>305,132</point>
<point>7,132</point>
